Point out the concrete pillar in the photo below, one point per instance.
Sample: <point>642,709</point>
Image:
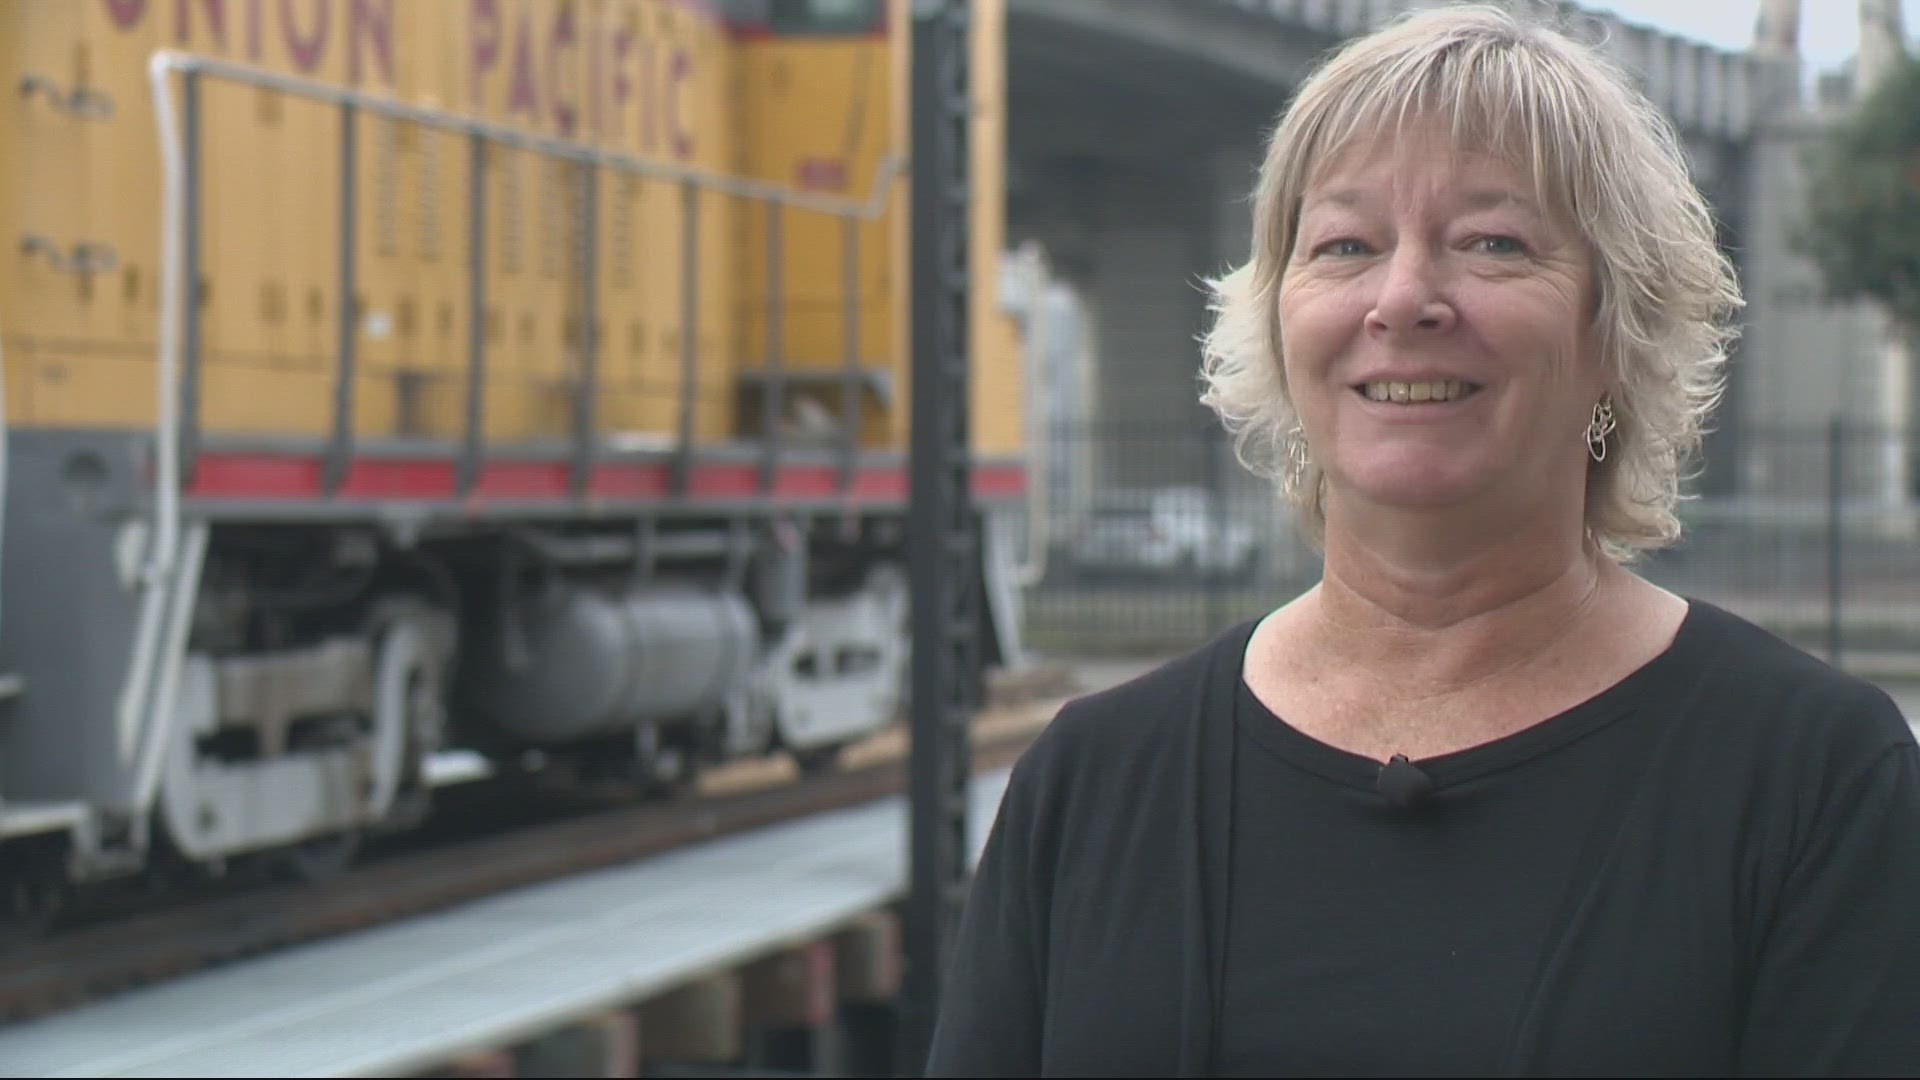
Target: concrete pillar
<point>1882,50</point>
<point>607,1045</point>
<point>1147,304</point>
<point>1284,558</point>
<point>1231,173</point>
<point>1776,31</point>
<point>492,1064</point>
<point>789,1008</point>
<point>695,1025</point>
<point>867,959</point>
<point>1058,209</point>
<point>1802,359</point>
<point>1723,176</point>
<point>1883,38</point>
<point>1892,418</point>
<point>867,967</point>
<point>1161,235</point>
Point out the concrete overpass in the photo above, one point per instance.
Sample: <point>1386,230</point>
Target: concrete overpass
<point>1134,132</point>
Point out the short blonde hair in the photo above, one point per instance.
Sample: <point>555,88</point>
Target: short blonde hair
<point>1597,150</point>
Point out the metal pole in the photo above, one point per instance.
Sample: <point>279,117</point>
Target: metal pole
<point>586,439</point>
<point>340,452</point>
<point>193,275</point>
<point>850,361</point>
<point>1836,505</point>
<point>476,315</point>
<point>773,398</point>
<point>689,338</point>
<point>1213,536</point>
<point>942,538</point>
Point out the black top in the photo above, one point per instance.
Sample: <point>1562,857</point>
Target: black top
<point>1711,868</point>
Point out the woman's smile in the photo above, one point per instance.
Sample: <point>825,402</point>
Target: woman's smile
<point>1417,391</point>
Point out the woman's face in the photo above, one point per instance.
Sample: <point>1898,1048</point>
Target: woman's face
<point>1434,323</point>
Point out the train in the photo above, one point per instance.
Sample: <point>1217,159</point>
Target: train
<point>400,392</point>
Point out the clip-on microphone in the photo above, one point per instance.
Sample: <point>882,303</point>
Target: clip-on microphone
<point>1402,782</point>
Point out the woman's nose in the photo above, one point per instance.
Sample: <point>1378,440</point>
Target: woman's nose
<point>1410,298</point>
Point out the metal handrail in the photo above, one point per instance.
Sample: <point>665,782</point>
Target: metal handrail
<point>173,231</point>
<point>167,61</point>
<point>177,430</point>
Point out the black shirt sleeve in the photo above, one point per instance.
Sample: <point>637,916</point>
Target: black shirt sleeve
<point>1836,984</point>
<point>989,1022</point>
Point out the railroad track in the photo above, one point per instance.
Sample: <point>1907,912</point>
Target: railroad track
<point>90,962</point>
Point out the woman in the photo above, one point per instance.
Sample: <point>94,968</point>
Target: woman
<point>1483,800</point>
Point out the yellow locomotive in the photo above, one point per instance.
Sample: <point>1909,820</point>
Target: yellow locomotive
<point>398,387</point>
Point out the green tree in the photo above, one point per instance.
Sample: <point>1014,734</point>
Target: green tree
<point>1862,225</point>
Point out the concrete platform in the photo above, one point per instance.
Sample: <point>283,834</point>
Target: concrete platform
<point>418,994</point>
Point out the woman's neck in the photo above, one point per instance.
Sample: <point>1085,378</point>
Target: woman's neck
<point>1448,616</point>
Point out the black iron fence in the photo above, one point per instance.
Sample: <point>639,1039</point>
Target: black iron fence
<point>1154,542</point>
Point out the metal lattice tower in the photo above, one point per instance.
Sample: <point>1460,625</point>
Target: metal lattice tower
<point>942,534</point>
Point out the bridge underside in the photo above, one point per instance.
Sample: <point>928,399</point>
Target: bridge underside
<point>1130,163</point>
<point>1133,139</point>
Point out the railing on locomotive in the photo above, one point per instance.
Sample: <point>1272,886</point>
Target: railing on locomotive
<point>179,346</point>
<point>8,684</point>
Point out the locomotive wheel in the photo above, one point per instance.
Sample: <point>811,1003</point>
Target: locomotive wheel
<point>819,760</point>
<point>316,859</point>
<point>28,905</point>
<point>664,772</point>
<point>641,765</point>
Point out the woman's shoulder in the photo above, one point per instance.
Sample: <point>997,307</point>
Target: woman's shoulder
<point>1144,715</point>
<point>1748,675</point>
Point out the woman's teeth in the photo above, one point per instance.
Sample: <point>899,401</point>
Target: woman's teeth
<point>1408,392</point>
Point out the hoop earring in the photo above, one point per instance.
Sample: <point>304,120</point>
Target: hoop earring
<point>1296,458</point>
<point>1599,427</point>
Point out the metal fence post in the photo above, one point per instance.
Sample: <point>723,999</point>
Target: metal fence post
<point>1836,505</point>
<point>194,273</point>
<point>586,419</point>
<point>850,315</point>
<point>339,460</point>
<point>773,398</point>
<point>1214,537</point>
<point>690,299</point>
<point>475,435</point>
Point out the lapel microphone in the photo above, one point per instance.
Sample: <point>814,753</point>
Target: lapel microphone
<point>1402,783</point>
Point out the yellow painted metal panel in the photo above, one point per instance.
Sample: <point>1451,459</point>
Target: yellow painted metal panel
<point>661,79</point>
<point>825,114</point>
<point>899,213</point>
<point>998,389</point>
<point>44,161</point>
<point>120,194</point>
<point>68,387</point>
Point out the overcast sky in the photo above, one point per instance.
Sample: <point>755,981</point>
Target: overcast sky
<point>1829,29</point>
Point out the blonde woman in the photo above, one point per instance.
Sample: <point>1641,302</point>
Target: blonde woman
<point>1483,800</point>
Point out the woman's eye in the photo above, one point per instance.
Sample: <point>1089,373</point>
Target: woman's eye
<point>1499,245</point>
<point>1342,247</point>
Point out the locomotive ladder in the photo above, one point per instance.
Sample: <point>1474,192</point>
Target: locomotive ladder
<point>942,528</point>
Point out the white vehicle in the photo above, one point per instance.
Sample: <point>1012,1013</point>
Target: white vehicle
<point>1179,531</point>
